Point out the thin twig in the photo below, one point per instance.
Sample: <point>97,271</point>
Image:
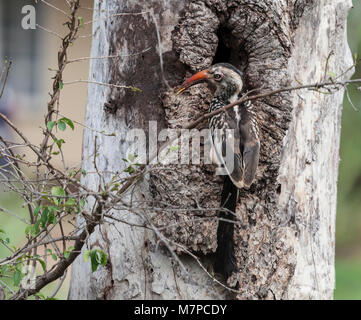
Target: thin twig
<point>49,31</point>
<point>117,15</point>
<point>6,77</point>
<point>55,8</point>
<point>102,84</point>
<point>109,57</point>
<point>160,49</point>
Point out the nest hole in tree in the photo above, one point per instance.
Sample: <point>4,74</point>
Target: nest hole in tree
<point>229,50</point>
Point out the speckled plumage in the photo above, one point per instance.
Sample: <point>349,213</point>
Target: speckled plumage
<point>242,120</point>
<point>244,145</point>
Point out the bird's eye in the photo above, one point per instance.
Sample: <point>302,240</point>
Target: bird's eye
<point>218,76</point>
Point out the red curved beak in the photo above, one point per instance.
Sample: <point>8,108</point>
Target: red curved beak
<point>202,75</point>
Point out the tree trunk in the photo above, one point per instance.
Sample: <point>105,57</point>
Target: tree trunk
<point>286,232</point>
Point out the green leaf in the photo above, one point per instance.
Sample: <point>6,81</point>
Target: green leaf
<point>83,172</point>
<point>17,277</point>
<point>46,198</point>
<point>70,202</point>
<point>130,170</point>
<point>54,257</point>
<point>136,89</point>
<point>35,230</point>
<point>132,157</point>
<point>115,187</point>
<point>97,257</point>
<point>103,257</point>
<point>53,208</point>
<point>67,252</point>
<point>37,210</point>
<point>61,85</point>
<point>42,264</point>
<point>61,125</point>
<point>81,21</point>
<point>52,218</point>
<point>50,125</point>
<point>59,142</point>
<point>68,122</point>
<point>28,229</point>
<point>44,217</point>
<point>40,295</point>
<point>3,269</point>
<point>94,260</point>
<point>58,191</point>
<point>332,74</point>
<point>86,255</point>
<point>82,203</point>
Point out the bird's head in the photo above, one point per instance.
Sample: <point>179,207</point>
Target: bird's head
<point>226,78</point>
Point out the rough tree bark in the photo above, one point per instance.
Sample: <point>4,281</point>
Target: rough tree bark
<point>285,235</point>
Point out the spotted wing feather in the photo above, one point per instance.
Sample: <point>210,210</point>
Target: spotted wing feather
<point>244,144</point>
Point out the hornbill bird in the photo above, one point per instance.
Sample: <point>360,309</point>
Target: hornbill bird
<point>244,146</point>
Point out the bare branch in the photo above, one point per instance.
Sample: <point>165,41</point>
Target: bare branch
<point>7,66</point>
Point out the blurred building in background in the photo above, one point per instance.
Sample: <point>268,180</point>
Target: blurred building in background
<point>34,55</point>
<point>26,48</point>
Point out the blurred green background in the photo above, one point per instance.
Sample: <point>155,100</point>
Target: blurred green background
<point>348,221</point>
<point>348,226</point>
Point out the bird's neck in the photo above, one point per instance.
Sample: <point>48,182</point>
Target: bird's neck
<point>222,98</point>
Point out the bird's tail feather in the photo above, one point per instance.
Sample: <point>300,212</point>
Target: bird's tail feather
<point>226,262</point>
